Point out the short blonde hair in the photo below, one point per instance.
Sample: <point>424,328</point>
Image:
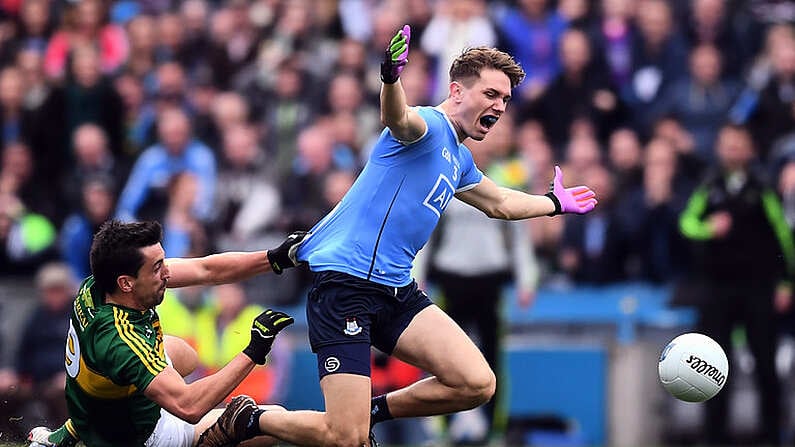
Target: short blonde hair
<point>470,63</point>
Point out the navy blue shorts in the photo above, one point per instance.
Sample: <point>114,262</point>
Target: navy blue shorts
<point>346,315</point>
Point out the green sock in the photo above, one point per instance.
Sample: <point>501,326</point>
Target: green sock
<point>63,437</point>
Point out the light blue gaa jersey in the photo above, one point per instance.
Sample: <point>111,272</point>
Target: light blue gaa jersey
<point>389,213</point>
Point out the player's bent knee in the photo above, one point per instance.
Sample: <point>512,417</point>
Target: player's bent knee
<point>347,437</point>
<point>183,357</point>
<point>479,386</point>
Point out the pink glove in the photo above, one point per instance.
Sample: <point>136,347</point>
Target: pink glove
<point>578,199</point>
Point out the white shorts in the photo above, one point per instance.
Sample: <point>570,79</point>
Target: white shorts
<point>171,431</point>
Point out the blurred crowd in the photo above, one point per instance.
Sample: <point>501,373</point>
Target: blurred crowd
<point>234,122</point>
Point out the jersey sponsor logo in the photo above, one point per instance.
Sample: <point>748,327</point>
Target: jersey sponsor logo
<point>352,327</point>
<point>331,364</point>
<point>440,196</point>
<point>705,369</point>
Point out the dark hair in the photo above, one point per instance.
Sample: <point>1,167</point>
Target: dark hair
<point>116,250</point>
<point>470,63</point>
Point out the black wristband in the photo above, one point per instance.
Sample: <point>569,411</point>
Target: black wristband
<point>555,201</point>
<point>387,74</point>
<point>257,352</point>
<point>252,425</point>
<point>277,262</point>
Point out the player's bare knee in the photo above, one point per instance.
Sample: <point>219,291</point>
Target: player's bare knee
<point>347,437</point>
<point>479,386</point>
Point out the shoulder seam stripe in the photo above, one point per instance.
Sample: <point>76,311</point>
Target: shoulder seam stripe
<point>156,361</point>
<point>122,327</point>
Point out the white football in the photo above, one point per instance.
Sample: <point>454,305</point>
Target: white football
<point>693,367</point>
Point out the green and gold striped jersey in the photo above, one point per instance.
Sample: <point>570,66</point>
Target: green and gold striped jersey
<point>112,354</point>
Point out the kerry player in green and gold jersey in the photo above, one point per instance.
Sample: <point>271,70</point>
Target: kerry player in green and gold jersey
<point>120,389</point>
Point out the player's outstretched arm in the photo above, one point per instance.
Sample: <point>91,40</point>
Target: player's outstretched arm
<point>191,402</point>
<point>405,124</point>
<point>223,268</point>
<point>510,204</point>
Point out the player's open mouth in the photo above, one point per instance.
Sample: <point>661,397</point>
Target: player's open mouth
<point>488,121</point>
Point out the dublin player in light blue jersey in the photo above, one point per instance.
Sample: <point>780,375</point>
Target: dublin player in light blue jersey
<point>362,251</point>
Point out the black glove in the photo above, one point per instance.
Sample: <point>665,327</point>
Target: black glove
<point>283,256</point>
<point>263,332</point>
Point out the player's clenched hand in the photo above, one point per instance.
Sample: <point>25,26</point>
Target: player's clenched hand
<point>396,56</point>
<point>578,199</point>
<point>284,256</point>
<point>263,332</point>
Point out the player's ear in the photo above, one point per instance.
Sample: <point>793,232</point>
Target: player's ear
<point>125,283</point>
<point>456,90</point>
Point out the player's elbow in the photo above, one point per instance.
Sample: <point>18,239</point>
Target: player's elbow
<point>185,408</point>
<point>191,415</point>
<point>194,414</point>
<point>497,212</point>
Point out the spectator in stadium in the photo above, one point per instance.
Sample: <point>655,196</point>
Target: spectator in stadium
<point>93,159</point>
<point>97,205</point>
<point>734,207</point>
<point>228,109</point>
<point>27,239</point>
<point>711,22</point>
<point>115,330</point>
<point>690,167</point>
<point>594,249</point>
<point>45,136</point>
<point>346,95</point>
<point>233,42</point>
<point>582,152</point>
<point>364,295</point>
<point>248,202</point>
<point>89,97</point>
<point>611,37</point>
<point>170,39</point>
<point>701,101</point>
<point>651,213</point>
<point>195,14</point>
<point>144,195</point>
<point>302,193</point>
<point>17,177</point>
<point>141,33</point>
<point>454,26</point>
<point>39,354</point>
<point>580,90</point>
<point>183,234</point>
<point>772,117</point>
<point>625,159</point>
<point>86,23</point>
<point>532,32</point>
<point>12,115</point>
<point>34,29</point>
<point>286,109</point>
<point>657,55</point>
<point>136,123</point>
